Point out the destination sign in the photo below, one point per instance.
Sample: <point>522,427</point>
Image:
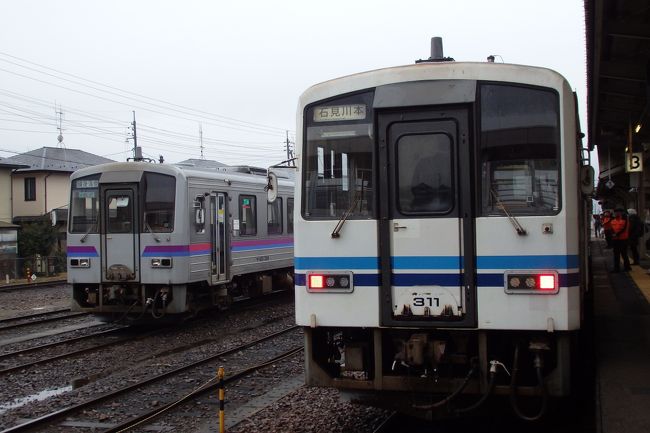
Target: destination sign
<point>337,113</point>
<point>87,183</point>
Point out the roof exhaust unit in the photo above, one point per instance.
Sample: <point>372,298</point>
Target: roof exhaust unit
<point>436,49</point>
<point>436,52</point>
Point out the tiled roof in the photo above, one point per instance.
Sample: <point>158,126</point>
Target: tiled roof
<point>55,159</point>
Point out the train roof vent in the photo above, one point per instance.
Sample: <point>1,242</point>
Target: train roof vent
<point>246,169</point>
<point>436,52</point>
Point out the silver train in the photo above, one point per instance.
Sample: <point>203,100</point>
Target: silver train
<point>152,240</point>
<point>441,236</point>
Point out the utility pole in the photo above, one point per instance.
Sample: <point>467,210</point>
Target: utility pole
<point>59,138</point>
<point>289,152</point>
<point>137,152</point>
<point>201,139</point>
<point>135,137</point>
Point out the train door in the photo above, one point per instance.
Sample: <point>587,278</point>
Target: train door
<point>219,227</point>
<point>426,225</point>
<point>120,258</point>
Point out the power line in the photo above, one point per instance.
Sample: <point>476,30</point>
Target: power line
<point>177,108</point>
<point>34,115</point>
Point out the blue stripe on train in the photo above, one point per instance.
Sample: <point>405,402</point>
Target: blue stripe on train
<point>440,262</point>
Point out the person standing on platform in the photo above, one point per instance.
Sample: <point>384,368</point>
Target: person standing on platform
<point>606,221</point>
<point>597,226</point>
<point>620,235</point>
<point>636,231</point>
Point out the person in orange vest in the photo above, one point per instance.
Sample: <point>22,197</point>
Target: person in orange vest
<point>606,221</point>
<point>620,235</point>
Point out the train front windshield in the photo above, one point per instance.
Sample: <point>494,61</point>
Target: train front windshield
<point>84,210</point>
<point>339,160</point>
<point>520,142</point>
<point>158,193</point>
<point>518,153</point>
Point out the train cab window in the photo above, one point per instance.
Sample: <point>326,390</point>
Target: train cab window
<point>84,206</point>
<point>520,142</point>
<point>120,214</point>
<point>247,215</point>
<point>159,193</point>
<point>274,217</point>
<point>424,164</point>
<point>290,215</point>
<point>338,174</point>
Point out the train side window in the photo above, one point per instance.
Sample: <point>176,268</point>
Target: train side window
<point>274,217</point>
<point>199,214</point>
<point>290,215</point>
<point>247,215</point>
<point>519,153</point>
<point>159,195</point>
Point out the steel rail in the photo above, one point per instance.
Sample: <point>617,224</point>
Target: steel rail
<point>67,354</point>
<point>39,285</point>
<point>31,316</point>
<point>45,419</point>
<point>210,386</point>
<point>39,322</point>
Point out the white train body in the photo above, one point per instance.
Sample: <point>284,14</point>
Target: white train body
<point>155,239</point>
<point>456,191</point>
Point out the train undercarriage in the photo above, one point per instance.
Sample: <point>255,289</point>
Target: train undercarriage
<point>440,373</point>
<point>135,302</point>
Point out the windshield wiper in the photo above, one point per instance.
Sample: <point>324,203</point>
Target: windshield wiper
<point>344,217</point>
<point>148,227</point>
<point>518,227</point>
<point>90,229</point>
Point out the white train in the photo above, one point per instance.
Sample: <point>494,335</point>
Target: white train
<point>148,240</point>
<point>440,235</point>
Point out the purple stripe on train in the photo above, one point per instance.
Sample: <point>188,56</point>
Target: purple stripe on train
<point>261,244</point>
<point>176,250</point>
<point>82,251</point>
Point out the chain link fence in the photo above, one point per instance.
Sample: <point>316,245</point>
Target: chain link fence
<point>41,266</point>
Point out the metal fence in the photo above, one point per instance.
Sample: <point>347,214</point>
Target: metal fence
<point>41,266</point>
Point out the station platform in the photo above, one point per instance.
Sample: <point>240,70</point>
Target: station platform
<point>622,344</point>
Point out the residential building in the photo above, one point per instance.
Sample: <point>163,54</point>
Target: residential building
<point>44,185</point>
<point>40,184</point>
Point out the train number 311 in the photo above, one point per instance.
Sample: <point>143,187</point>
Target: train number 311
<point>426,301</point>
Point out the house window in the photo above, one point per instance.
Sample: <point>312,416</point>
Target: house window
<point>30,189</point>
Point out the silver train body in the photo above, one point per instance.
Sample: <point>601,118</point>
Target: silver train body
<point>151,240</point>
<point>441,235</point>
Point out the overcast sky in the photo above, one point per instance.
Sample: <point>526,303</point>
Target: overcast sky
<point>236,69</point>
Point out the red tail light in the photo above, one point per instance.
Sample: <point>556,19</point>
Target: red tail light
<point>316,282</point>
<point>547,282</point>
<point>531,282</point>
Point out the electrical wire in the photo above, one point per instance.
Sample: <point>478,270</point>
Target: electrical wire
<point>227,125</point>
<point>124,91</point>
<point>32,115</point>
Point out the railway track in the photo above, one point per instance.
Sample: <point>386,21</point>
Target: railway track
<point>69,354</point>
<point>48,422</point>
<point>37,285</point>
<point>37,319</point>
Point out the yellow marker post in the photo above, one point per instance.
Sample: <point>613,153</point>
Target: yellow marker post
<point>220,375</point>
